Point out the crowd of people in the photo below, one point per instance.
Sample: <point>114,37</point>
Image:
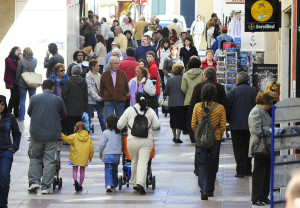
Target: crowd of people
<point>119,72</point>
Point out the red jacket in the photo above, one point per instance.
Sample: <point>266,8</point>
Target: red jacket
<point>153,71</point>
<point>128,66</point>
<point>204,65</point>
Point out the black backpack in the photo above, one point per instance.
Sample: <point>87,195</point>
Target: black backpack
<point>140,125</point>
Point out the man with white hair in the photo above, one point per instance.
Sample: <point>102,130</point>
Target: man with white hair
<point>114,88</point>
<point>121,38</point>
<point>126,26</point>
<point>114,45</point>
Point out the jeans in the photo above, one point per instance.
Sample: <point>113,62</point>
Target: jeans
<point>208,163</point>
<point>23,93</point>
<point>6,159</point>
<point>111,107</point>
<point>100,114</point>
<point>43,161</point>
<point>111,169</point>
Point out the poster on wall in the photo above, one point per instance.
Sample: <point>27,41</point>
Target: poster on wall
<point>263,74</point>
<point>262,15</point>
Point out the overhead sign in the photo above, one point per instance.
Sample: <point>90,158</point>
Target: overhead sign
<point>235,1</point>
<point>262,15</point>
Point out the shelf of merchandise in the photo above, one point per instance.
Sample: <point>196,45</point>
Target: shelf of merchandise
<point>285,113</point>
<point>231,60</point>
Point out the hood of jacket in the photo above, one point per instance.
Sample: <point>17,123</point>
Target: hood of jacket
<point>83,136</point>
<point>78,80</point>
<point>193,73</point>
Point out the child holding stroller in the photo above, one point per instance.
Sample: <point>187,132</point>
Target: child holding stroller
<point>81,152</point>
<point>110,151</point>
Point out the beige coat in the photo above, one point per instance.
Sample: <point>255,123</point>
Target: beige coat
<point>175,27</point>
<point>123,41</point>
<point>124,28</point>
<point>139,29</point>
<point>101,53</point>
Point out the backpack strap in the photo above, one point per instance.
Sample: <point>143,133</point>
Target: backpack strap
<point>213,107</point>
<point>146,117</point>
<point>136,113</point>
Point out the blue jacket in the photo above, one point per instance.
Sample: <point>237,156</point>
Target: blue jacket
<point>46,110</point>
<point>141,51</point>
<point>219,39</point>
<point>110,143</point>
<point>241,100</point>
<point>8,124</point>
<point>61,82</point>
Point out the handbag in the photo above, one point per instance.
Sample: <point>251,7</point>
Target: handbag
<point>261,149</point>
<point>152,101</point>
<point>9,86</point>
<point>32,79</point>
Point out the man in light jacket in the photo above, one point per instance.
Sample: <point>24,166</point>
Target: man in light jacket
<point>94,98</point>
<point>45,110</point>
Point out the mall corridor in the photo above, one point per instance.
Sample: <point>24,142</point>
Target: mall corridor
<point>176,185</point>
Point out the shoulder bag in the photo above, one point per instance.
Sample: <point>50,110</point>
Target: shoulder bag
<point>32,79</point>
<point>261,149</point>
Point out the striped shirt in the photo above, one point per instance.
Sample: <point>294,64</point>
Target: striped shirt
<point>217,116</point>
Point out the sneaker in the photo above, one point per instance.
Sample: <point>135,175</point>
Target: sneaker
<point>47,191</point>
<point>34,187</point>
<point>108,189</point>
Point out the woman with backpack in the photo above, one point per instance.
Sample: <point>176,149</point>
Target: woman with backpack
<point>139,140</point>
<point>209,116</point>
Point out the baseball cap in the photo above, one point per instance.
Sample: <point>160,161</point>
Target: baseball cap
<point>224,30</point>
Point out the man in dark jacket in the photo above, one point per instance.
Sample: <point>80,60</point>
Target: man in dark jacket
<point>45,110</point>
<point>241,100</point>
<point>56,58</point>
<point>114,88</point>
<point>75,96</point>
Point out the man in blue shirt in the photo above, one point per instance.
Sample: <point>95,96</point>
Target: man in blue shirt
<point>141,51</point>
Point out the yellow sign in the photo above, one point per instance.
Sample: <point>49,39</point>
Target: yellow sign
<point>262,11</point>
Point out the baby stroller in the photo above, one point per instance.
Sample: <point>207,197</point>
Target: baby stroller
<point>57,181</point>
<point>124,179</point>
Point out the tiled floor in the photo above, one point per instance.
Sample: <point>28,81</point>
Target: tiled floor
<point>176,185</point>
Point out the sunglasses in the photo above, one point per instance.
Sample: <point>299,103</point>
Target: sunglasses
<point>62,70</point>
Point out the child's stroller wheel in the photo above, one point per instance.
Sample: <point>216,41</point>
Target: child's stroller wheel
<point>60,182</point>
<point>54,184</point>
<point>153,182</point>
<point>120,182</point>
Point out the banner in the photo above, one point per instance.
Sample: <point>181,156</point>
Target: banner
<point>262,15</point>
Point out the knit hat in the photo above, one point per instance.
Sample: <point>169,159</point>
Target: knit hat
<point>2,98</point>
<point>224,30</point>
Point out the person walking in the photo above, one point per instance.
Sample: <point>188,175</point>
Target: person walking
<point>131,43</point>
<point>59,78</point>
<point>94,99</point>
<point>208,158</point>
<point>190,79</point>
<point>142,50</point>
<point>139,149</point>
<point>56,58</point>
<point>79,57</point>
<point>175,26</point>
<point>75,96</point>
<point>8,147</point>
<point>259,125</point>
<point>188,50</point>
<point>162,53</point>
<point>241,100</point>
<point>120,38</point>
<point>114,88</point>
<point>197,30</point>
<point>11,64</point>
<point>209,62</point>
<point>100,52</point>
<point>210,34</point>
<point>26,64</point>
<point>110,150</point>
<point>139,30</point>
<point>45,110</point>
<point>176,102</point>
<point>81,152</point>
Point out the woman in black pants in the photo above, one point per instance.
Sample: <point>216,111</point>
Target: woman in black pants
<point>11,64</point>
<point>259,126</point>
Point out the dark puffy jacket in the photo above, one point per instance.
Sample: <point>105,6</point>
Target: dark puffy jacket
<point>75,96</point>
<point>186,54</point>
<point>50,63</point>
<point>8,125</point>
